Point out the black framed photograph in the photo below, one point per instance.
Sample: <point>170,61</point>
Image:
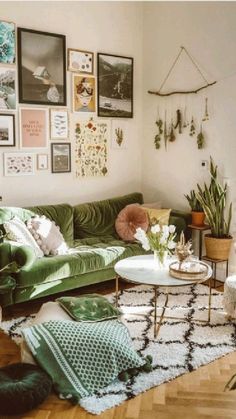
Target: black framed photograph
<point>61,157</point>
<point>7,130</point>
<point>115,86</point>
<point>41,67</point>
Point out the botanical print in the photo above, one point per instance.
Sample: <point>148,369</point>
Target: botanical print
<point>83,94</point>
<point>7,130</point>
<point>42,161</point>
<point>119,134</point>
<point>7,88</point>
<point>7,42</point>
<point>61,157</point>
<point>18,164</point>
<point>91,140</point>
<point>80,61</point>
<point>41,63</point>
<point>33,127</point>
<point>115,86</point>
<point>59,124</point>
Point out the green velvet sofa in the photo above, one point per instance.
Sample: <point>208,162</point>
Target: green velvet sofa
<point>90,229</point>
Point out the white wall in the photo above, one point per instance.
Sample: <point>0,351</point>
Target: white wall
<point>114,28</point>
<point>208,31</point>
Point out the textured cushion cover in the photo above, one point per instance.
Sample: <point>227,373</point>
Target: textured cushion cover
<point>89,307</point>
<point>47,235</point>
<point>129,219</point>
<point>22,388</point>
<point>17,231</point>
<point>160,216</point>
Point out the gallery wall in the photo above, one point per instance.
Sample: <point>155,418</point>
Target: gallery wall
<point>207,30</point>
<point>112,28</point>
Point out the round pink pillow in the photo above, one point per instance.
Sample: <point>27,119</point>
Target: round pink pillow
<point>129,219</point>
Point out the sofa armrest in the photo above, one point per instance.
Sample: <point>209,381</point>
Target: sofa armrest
<point>182,214</point>
<point>181,219</point>
<point>24,256</point>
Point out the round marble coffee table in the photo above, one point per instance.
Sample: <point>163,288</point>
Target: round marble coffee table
<point>143,270</point>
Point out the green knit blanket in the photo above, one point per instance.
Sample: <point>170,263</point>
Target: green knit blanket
<point>82,357</point>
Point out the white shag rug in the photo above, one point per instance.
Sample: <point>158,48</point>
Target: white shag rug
<point>181,346</point>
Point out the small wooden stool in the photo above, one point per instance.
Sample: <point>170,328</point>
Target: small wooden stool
<point>229,299</point>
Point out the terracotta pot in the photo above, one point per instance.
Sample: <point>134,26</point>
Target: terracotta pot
<point>198,218</point>
<point>217,248</point>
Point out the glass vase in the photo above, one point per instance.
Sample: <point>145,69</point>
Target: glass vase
<point>160,259</point>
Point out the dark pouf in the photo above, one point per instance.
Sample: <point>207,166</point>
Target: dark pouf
<point>22,387</point>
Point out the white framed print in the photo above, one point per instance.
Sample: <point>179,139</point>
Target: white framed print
<point>59,124</point>
<point>42,161</point>
<point>34,127</point>
<point>7,130</point>
<point>80,61</point>
<point>18,164</point>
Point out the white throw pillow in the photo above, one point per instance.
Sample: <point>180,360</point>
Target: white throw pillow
<point>17,231</point>
<point>48,236</point>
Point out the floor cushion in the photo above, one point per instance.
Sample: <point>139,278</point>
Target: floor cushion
<point>22,388</point>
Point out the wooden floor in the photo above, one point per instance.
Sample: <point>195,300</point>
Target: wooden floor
<point>195,395</point>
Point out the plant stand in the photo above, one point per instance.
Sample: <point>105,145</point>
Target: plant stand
<point>200,230</point>
<point>214,263</point>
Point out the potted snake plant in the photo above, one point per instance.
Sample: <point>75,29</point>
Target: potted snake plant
<point>213,200</point>
<point>198,215</point>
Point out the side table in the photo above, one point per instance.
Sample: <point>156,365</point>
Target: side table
<point>214,263</point>
<point>200,230</point>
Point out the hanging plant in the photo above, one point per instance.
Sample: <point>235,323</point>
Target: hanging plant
<point>192,128</point>
<point>200,140</point>
<point>165,132</point>
<point>157,139</point>
<point>179,121</point>
<point>172,136</point>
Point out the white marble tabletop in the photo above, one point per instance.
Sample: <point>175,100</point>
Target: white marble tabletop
<point>143,270</point>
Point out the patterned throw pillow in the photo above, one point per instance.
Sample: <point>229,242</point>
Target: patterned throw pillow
<point>160,216</point>
<point>48,236</point>
<point>17,231</point>
<point>89,308</point>
<point>129,219</point>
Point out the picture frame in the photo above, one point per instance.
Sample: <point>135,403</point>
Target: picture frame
<point>41,67</point>
<point>7,130</point>
<point>59,124</point>
<point>83,93</point>
<point>7,88</point>
<point>7,42</point>
<point>42,162</point>
<point>114,86</point>
<point>80,61</point>
<point>33,127</point>
<point>61,157</point>
<point>18,164</point>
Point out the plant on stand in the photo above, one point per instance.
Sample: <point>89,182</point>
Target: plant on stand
<point>213,201</point>
<point>159,239</point>
<point>198,215</point>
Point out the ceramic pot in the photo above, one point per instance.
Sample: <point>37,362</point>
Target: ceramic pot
<point>198,218</point>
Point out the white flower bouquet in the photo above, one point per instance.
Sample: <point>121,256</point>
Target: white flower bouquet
<point>158,238</point>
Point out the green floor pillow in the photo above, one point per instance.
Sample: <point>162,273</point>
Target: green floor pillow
<point>89,308</point>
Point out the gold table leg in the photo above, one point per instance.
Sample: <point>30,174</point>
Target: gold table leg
<point>117,289</point>
<point>157,327</point>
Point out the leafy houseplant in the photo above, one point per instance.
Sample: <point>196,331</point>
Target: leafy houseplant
<point>198,214</point>
<point>213,200</point>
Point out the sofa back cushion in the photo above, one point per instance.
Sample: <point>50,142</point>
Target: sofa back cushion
<point>98,218</point>
<point>62,214</point>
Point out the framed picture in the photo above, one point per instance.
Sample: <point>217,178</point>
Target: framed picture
<point>83,93</point>
<point>61,157</point>
<point>7,42</point>
<point>80,61</point>
<point>115,86</point>
<point>7,130</point>
<point>7,88</point>
<point>42,161</point>
<point>59,124</point>
<point>16,164</point>
<point>41,67</point>
<point>34,127</point>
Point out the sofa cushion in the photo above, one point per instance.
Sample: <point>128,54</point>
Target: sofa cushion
<point>62,214</point>
<point>17,231</point>
<point>98,218</point>
<point>129,219</point>
<point>100,253</point>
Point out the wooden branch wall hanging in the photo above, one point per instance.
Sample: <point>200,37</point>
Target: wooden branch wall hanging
<point>206,82</point>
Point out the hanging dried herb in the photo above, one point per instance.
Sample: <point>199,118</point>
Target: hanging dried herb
<point>165,132</point>
<point>172,136</point>
<point>157,140</point>
<point>192,128</point>
<point>179,121</point>
<point>200,140</point>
